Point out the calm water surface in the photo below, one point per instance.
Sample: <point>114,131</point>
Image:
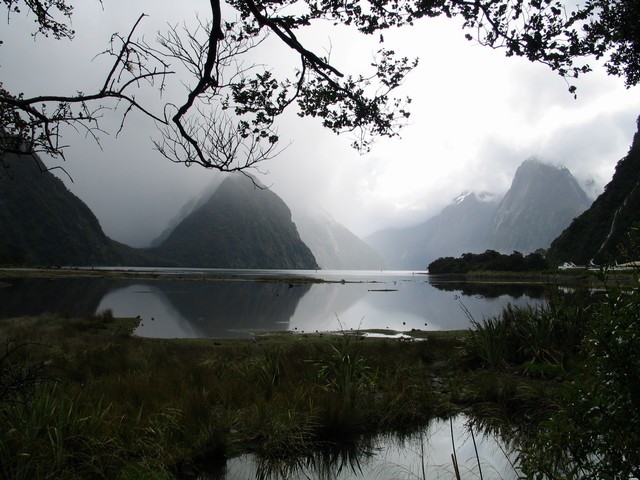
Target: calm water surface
<point>221,303</point>
<point>231,303</point>
<point>424,455</point>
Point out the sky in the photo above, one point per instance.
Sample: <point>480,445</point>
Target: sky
<point>475,117</point>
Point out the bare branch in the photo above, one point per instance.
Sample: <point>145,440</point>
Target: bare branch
<point>37,120</point>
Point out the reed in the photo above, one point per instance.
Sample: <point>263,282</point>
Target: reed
<point>539,340</point>
<point>149,408</point>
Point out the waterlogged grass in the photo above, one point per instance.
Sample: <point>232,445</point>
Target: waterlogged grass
<point>83,398</point>
<point>105,404</point>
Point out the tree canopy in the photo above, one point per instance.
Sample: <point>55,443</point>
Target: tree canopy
<point>227,116</point>
<point>490,260</point>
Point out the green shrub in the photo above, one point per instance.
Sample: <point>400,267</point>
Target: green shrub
<point>596,431</point>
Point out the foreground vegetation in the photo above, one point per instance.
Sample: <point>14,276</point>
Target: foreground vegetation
<point>83,398</point>
<point>587,344</point>
<point>92,401</point>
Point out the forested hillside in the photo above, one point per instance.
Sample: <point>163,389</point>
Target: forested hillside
<point>42,223</point>
<point>600,233</point>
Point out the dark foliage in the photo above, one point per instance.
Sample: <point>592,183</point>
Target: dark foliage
<point>226,117</point>
<point>600,233</point>
<point>489,261</point>
<point>595,432</point>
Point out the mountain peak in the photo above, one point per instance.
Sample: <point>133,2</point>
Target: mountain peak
<point>542,201</point>
<point>463,196</point>
<point>241,225</point>
<point>536,164</point>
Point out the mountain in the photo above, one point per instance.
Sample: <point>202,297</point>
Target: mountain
<point>187,208</point>
<point>43,223</point>
<point>542,201</point>
<point>334,246</point>
<point>240,225</point>
<point>600,233</point>
<point>460,227</point>
<point>236,225</point>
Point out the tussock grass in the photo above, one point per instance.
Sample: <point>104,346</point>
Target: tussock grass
<point>97,402</point>
<point>118,406</point>
<point>540,340</point>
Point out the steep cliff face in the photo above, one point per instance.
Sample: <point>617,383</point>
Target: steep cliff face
<point>43,223</point>
<point>334,246</point>
<point>542,201</point>
<point>239,226</point>
<point>460,227</point>
<point>600,234</point>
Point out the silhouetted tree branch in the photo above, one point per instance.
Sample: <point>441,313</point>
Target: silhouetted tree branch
<point>32,125</point>
<point>226,120</point>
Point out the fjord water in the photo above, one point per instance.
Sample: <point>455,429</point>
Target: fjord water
<point>232,303</point>
<point>197,304</point>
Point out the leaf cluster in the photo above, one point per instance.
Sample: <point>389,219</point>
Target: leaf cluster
<point>227,118</point>
<point>595,432</point>
<point>46,13</point>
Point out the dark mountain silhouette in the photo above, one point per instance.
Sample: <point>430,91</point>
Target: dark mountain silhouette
<point>187,208</point>
<point>42,223</point>
<point>542,201</point>
<point>237,226</point>
<point>240,225</point>
<point>460,227</point>
<point>600,234</point>
<point>334,245</point>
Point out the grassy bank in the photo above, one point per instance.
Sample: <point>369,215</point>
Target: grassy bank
<point>83,398</point>
<point>93,401</point>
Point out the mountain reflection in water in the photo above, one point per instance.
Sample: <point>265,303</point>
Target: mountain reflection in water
<point>204,309</point>
<point>234,304</point>
<point>422,455</point>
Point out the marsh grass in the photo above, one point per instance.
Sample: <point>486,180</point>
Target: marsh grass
<point>153,408</point>
<point>106,404</point>
<point>129,407</point>
<point>540,340</point>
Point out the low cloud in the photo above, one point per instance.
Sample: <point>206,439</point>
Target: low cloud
<point>476,117</point>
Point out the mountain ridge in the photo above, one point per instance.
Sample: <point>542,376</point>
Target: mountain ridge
<point>42,223</point>
<point>542,200</point>
<point>599,234</point>
<point>334,245</point>
<point>458,228</point>
<point>241,225</point>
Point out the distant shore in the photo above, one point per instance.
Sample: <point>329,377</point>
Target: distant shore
<point>575,276</point>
